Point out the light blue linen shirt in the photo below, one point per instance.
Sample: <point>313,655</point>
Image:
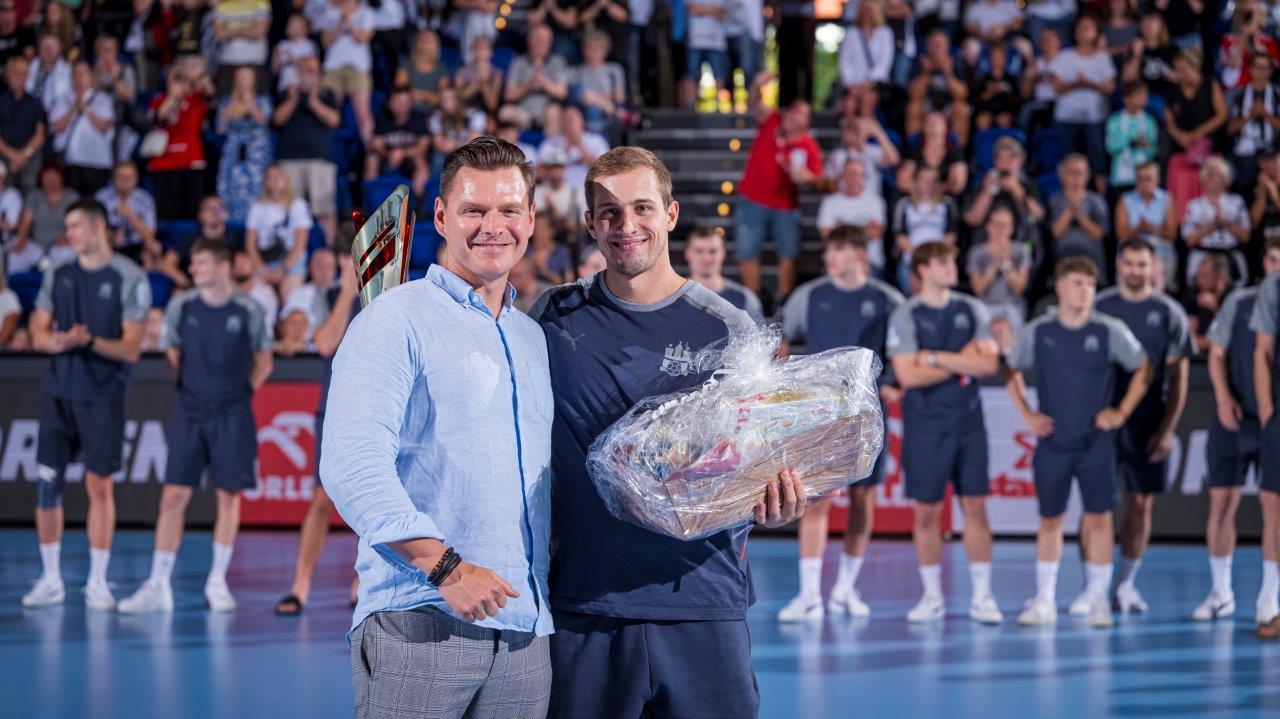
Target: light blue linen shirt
<point>438,425</point>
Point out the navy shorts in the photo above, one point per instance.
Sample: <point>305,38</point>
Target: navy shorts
<point>608,667</point>
<point>1229,454</point>
<point>225,442</point>
<point>1270,455</point>
<point>92,430</point>
<point>1140,475</point>
<point>1094,468</point>
<point>934,456</point>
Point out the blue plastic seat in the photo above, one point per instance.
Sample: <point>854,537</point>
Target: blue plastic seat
<point>161,289</point>
<point>26,285</point>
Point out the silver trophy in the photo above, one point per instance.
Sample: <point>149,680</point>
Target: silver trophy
<point>380,250</point>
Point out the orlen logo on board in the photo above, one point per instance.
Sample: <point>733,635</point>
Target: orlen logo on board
<point>285,415</point>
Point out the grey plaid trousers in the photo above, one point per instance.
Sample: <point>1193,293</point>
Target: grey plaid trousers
<point>425,664</point>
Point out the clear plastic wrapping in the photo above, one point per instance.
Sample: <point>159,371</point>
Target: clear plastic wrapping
<point>696,462</point>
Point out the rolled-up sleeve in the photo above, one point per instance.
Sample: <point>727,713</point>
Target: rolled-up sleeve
<point>376,369</point>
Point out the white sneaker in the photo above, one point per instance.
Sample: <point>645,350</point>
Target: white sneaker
<point>1215,606</point>
<point>847,601</point>
<point>1081,605</point>
<point>97,595</point>
<point>1129,599</point>
<point>47,592</point>
<point>928,609</point>
<point>1267,609</point>
<point>1100,615</point>
<point>985,611</point>
<point>153,596</point>
<point>218,595</point>
<point>1039,612</point>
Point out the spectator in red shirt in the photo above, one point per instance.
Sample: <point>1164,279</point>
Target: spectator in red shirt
<point>182,111</point>
<point>784,157</point>
<point>1245,40</point>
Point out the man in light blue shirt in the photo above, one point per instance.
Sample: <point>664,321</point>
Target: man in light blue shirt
<point>436,450</point>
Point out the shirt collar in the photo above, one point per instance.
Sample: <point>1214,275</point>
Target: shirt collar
<point>463,293</point>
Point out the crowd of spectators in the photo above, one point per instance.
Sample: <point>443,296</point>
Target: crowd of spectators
<point>1020,132</point>
<point>1024,133</point>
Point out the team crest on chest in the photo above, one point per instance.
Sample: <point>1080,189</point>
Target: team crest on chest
<point>677,361</point>
<point>1091,344</point>
<point>1153,318</point>
<point>868,308</point>
<point>962,322</point>
<point>104,291</point>
<point>233,324</point>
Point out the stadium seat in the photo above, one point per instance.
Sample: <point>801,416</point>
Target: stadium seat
<point>315,238</point>
<point>451,57</point>
<point>378,189</point>
<point>532,137</point>
<point>161,288</point>
<point>26,285</point>
<point>984,146</point>
<point>417,273</point>
<point>503,57</point>
<point>1049,149</point>
<point>171,232</point>
<point>1048,185</point>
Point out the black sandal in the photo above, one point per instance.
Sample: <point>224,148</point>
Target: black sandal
<point>290,606</point>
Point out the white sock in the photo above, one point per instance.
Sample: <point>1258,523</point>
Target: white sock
<point>1129,570</point>
<point>50,560</point>
<point>931,578</point>
<point>1047,581</point>
<point>847,573</point>
<point>98,559</point>
<point>1220,568</point>
<point>221,560</point>
<point>1270,581</point>
<point>162,566</point>
<point>980,577</point>
<point>1098,579</point>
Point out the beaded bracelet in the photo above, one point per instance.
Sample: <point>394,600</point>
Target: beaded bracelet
<point>449,561</point>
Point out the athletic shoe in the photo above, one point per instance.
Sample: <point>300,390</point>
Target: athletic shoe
<point>1129,599</point>
<point>153,596</point>
<point>1268,609</point>
<point>928,609</point>
<point>1100,615</point>
<point>802,609</point>
<point>47,592</point>
<point>1081,605</point>
<point>97,595</point>
<point>984,611</point>
<point>847,601</point>
<point>1215,606</point>
<point>1039,612</point>
<point>218,595</point>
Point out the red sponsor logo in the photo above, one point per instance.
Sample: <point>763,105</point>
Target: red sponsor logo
<point>285,415</point>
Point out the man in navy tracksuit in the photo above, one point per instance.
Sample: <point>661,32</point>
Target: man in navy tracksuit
<point>1077,356</point>
<point>1235,445</point>
<point>1265,324</point>
<point>645,624</point>
<point>89,315</point>
<point>1144,442</point>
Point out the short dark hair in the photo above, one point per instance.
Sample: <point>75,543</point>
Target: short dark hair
<point>219,249</point>
<point>1133,87</point>
<point>930,251</point>
<point>90,207</point>
<point>486,153</point>
<point>851,235</point>
<point>1271,244</point>
<point>1075,266</point>
<point>699,231</point>
<point>1135,244</point>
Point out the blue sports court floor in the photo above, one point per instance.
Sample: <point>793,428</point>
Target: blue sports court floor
<point>71,662</point>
